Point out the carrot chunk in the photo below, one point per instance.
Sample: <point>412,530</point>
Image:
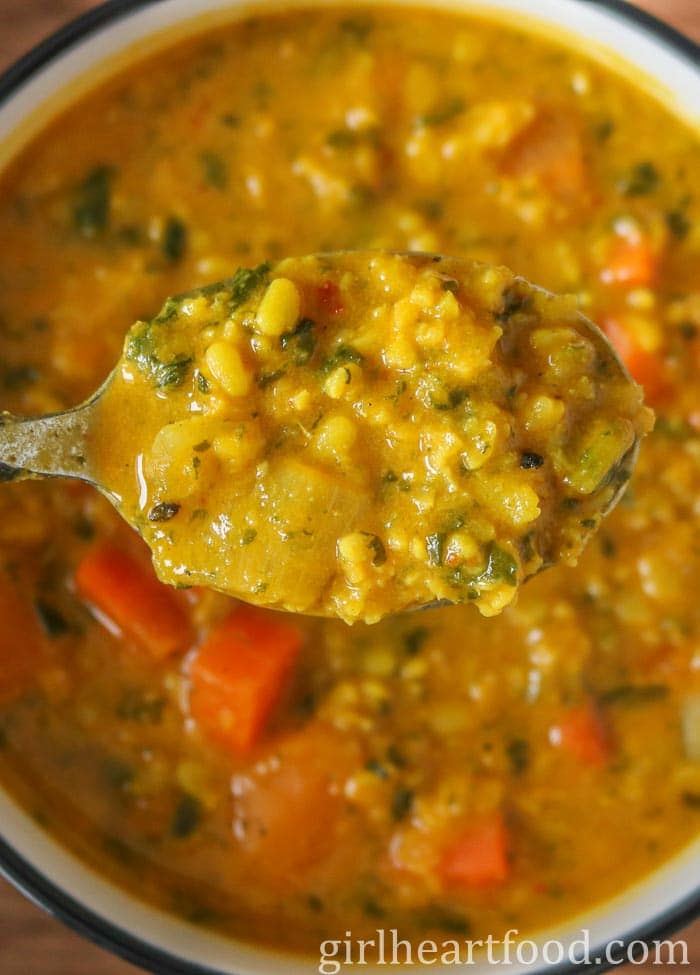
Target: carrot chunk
<point>644,366</point>
<point>582,734</point>
<point>630,261</point>
<point>129,595</point>
<point>479,856</point>
<point>239,673</point>
<point>550,149</point>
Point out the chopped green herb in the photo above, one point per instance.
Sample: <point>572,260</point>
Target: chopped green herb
<point>449,109</point>
<point>519,754</point>
<point>52,621</point>
<point>84,528</point>
<point>268,378</point>
<point>370,908</point>
<point>342,355</point>
<point>246,281</point>
<point>343,138</point>
<point>141,348</point>
<point>20,377</point>
<point>435,917</point>
<point>174,240</point>
<point>315,903</point>
<point>604,129</point>
<point>449,399</point>
<point>377,546</point>
<point>214,170</point>
<point>642,180</point>
<point>141,708</point>
<point>117,774</point>
<point>173,373</point>
<point>431,209</point>
<point>203,384</point>
<point>118,850</point>
<point>501,567</point>
<point>187,816</point>
<point>632,694</point>
<point>414,640</point>
<point>248,536</point>
<point>301,342</point>
<point>608,547</point>
<point>513,302</point>
<point>129,235</point>
<point>395,757</point>
<point>92,206</point>
<point>401,803</point>
<point>678,223</point>
<point>356,28</point>
<point>376,768</point>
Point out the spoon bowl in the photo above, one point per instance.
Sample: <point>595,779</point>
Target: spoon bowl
<point>354,434</point>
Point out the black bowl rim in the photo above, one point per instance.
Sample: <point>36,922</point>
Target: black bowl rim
<point>20,872</point>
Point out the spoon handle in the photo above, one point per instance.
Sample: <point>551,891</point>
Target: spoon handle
<point>47,446</point>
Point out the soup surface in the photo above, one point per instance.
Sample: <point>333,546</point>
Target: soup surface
<point>286,779</point>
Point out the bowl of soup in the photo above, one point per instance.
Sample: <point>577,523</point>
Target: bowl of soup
<point>203,788</point>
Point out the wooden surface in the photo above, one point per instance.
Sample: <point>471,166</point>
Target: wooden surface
<point>31,943</point>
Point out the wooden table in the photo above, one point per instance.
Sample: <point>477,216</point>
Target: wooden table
<point>31,943</point>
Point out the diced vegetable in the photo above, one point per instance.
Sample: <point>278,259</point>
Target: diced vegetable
<point>596,457</point>
<point>478,857</point>
<point>127,592</point>
<point>583,735</point>
<point>287,813</point>
<point>630,260</point>
<point>239,673</point>
<point>551,150</point>
<point>645,367</point>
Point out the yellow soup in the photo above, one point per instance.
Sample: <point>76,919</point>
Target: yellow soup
<point>286,779</point>
<point>352,435</point>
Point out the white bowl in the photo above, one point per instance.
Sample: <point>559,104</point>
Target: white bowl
<point>30,92</point>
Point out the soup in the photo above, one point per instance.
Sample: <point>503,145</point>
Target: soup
<point>286,779</point>
<point>274,430</point>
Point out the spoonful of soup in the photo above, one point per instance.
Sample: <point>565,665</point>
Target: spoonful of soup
<point>354,434</point>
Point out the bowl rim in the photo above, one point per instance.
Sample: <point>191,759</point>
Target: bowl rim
<point>15,868</point>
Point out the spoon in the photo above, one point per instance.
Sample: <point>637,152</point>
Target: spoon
<point>354,434</point>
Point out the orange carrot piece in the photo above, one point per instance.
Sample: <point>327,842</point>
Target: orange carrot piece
<point>582,734</point>
<point>630,261</point>
<point>479,856</point>
<point>21,641</point>
<point>551,150</point>
<point>130,596</point>
<point>645,367</point>
<point>239,673</point>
